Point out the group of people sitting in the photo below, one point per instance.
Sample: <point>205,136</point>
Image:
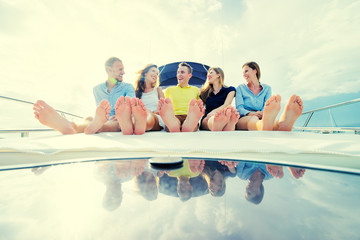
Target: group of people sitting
<point>182,108</point>
<point>196,177</point>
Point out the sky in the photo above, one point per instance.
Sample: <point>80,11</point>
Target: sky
<point>56,50</point>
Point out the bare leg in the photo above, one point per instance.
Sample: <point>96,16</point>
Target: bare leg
<point>110,126</point>
<point>292,112</point>
<point>152,122</point>
<point>166,111</point>
<point>195,112</point>
<point>139,112</point>
<point>275,170</point>
<point>219,120</point>
<point>234,118</point>
<point>101,117</point>
<point>123,115</point>
<point>49,117</point>
<point>297,172</point>
<point>243,122</point>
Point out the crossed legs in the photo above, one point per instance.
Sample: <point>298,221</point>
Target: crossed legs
<point>223,120</point>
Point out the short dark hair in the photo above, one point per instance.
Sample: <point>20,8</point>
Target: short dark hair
<point>184,64</point>
<point>110,62</point>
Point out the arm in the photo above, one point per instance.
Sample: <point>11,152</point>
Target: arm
<point>96,96</point>
<point>239,100</point>
<point>228,101</point>
<point>130,91</point>
<point>160,92</point>
<point>267,95</point>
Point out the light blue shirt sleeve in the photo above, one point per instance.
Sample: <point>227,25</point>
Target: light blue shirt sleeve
<point>121,89</point>
<point>245,169</point>
<point>99,94</point>
<point>130,91</point>
<point>239,101</point>
<point>247,101</point>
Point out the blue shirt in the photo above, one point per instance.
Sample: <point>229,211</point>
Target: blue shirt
<point>247,101</point>
<point>245,169</point>
<point>120,89</point>
<point>216,100</point>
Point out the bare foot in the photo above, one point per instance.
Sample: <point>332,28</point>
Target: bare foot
<point>49,117</point>
<point>196,165</point>
<point>195,112</point>
<point>140,114</point>
<point>221,118</point>
<point>275,170</point>
<point>123,115</point>
<point>234,118</point>
<point>271,110</point>
<point>292,112</point>
<point>166,111</point>
<point>101,116</point>
<point>297,172</point>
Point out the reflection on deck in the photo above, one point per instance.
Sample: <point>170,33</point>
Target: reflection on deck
<point>205,199</point>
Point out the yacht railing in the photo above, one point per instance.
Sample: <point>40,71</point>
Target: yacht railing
<point>334,128</point>
<point>26,132</point>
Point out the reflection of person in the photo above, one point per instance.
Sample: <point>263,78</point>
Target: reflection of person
<point>215,175</point>
<point>147,183</point>
<point>256,173</point>
<point>113,174</point>
<point>145,89</point>
<point>219,114</point>
<point>191,169</point>
<point>181,110</point>
<point>277,171</point>
<point>258,109</point>
<point>106,94</point>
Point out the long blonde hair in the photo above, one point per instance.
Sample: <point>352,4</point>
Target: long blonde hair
<point>140,80</point>
<point>207,88</point>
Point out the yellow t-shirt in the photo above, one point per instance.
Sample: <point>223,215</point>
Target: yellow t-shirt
<point>184,171</point>
<point>181,97</point>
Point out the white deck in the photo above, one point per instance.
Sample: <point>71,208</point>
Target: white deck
<point>332,151</point>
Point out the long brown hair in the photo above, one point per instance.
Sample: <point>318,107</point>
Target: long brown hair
<point>140,80</point>
<point>254,66</point>
<point>207,88</point>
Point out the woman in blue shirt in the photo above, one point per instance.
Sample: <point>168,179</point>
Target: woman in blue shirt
<point>219,114</point>
<point>258,109</point>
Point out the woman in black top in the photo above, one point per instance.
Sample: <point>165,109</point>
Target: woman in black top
<point>219,114</point>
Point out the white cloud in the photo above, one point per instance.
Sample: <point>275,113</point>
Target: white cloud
<point>58,49</point>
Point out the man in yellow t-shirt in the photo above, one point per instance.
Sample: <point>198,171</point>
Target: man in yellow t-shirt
<point>182,109</point>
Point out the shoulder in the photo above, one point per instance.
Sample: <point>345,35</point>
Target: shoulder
<point>229,89</point>
<point>169,89</point>
<point>128,86</point>
<point>266,87</point>
<point>241,86</point>
<point>196,89</point>
<point>99,86</point>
